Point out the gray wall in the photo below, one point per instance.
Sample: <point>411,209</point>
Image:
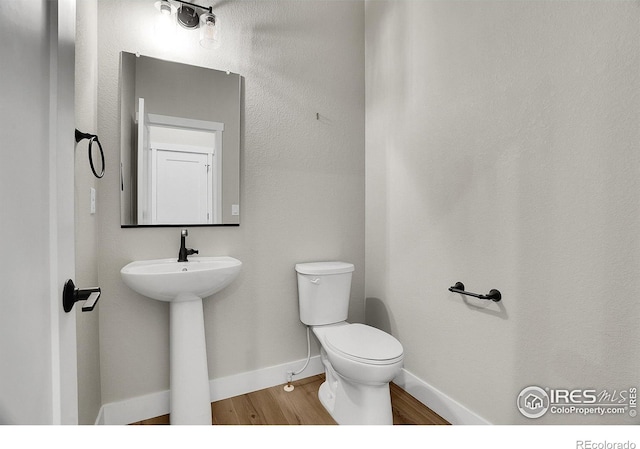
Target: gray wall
<point>302,184</point>
<point>86,110</point>
<point>502,151</point>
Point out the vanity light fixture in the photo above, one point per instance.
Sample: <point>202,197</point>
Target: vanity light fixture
<point>165,7</point>
<point>165,25</point>
<point>187,16</point>
<point>209,30</point>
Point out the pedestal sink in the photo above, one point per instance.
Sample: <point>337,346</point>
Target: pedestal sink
<point>183,285</point>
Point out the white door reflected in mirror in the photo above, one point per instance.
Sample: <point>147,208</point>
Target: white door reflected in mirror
<point>179,169</point>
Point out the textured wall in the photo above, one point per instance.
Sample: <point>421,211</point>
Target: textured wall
<point>502,151</point>
<point>86,106</point>
<point>302,184</point>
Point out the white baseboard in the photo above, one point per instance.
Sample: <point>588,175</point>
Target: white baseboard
<point>443,405</point>
<point>157,404</point>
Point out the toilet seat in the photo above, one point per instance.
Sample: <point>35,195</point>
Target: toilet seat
<point>364,344</point>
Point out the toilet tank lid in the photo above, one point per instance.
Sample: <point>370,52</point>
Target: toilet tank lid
<point>318,268</point>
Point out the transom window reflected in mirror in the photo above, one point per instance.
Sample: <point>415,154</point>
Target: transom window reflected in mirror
<point>180,144</point>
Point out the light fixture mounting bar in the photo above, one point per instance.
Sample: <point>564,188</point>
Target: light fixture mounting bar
<point>208,8</point>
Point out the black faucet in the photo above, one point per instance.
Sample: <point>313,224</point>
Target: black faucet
<point>184,252</point>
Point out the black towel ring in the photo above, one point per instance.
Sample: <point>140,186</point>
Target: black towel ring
<point>92,138</point>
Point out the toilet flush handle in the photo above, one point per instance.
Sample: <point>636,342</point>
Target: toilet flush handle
<point>315,281</point>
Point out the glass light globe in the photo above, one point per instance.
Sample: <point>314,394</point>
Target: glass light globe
<point>209,27</point>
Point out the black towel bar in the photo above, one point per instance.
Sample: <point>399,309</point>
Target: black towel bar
<point>494,295</point>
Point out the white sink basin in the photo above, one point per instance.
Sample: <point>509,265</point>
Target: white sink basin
<point>183,285</point>
<point>169,280</point>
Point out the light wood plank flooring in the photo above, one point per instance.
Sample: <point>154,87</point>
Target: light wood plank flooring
<point>302,406</point>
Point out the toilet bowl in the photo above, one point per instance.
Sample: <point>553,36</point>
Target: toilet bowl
<point>359,360</point>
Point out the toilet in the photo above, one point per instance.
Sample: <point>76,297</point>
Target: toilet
<point>359,360</point>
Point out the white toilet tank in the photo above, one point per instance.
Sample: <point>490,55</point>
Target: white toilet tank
<point>323,292</point>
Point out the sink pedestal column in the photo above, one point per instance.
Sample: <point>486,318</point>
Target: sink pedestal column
<point>189,381</point>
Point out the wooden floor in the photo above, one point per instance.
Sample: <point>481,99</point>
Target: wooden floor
<point>302,407</point>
